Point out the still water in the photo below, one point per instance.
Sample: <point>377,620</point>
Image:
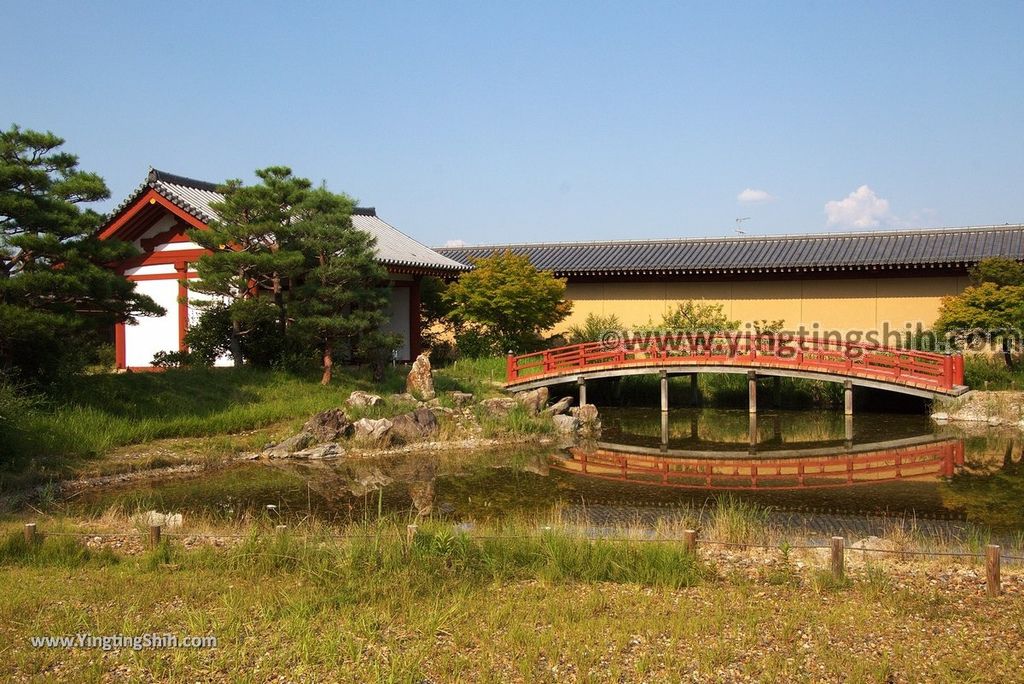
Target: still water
<point>809,465</point>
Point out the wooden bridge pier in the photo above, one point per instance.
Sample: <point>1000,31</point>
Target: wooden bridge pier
<point>664,391</point>
<point>848,398</point>
<point>583,389</point>
<point>752,390</point>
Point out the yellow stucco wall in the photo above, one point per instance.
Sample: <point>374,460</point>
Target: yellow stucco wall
<point>833,304</point>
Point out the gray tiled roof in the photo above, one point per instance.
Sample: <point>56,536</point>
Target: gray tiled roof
<point>931,248</point>
<point>394,248</point>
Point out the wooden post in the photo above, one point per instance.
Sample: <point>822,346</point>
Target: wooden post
<point>664,430</point>
<point>664,391</point>
<point>752,390</point>
<point>154,536</point>
<point>694,390</point>
<point>280,529</point>
<point>992,562</point>
<point>752,432</point>
<point>30,533</point>
<point>690,540</point>
<point>848,431</point>
<point>838,546</point>
<point>848,398</point>
<point>410,535</point>
<point>582,381</point>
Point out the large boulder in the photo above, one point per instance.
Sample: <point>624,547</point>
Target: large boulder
<point>566,425</point>
<point>559,407</point>
<point>370,430</point>
<point>420,381</point>
<point>499,406</point>
<point>362,399</point>
<point>328,426</point>
<point>533,400</point>
<point>590,420</point>
<point>414,425</point>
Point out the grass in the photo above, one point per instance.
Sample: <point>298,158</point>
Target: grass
<point>982,372</point>
<point>220,410</point>
<point>501,608</point>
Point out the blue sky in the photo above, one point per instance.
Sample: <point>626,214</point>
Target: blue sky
<point>543,121</point>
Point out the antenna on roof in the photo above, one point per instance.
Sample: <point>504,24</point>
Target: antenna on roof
<point>739,225</point>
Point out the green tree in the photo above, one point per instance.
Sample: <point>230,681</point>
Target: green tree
<point>342,300</point>
<point>57,291</point>
<point>999,271</point>
<point>594,328</point>
<point>508,300</point>
<point>988,309</point>
<point>697,316</point>
<point>251,252</point>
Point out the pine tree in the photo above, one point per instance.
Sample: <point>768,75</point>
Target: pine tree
<point>57,292</point>
<point>250,254</point>
<point>342,300</point>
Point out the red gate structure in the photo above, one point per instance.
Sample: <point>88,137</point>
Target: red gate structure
<point>901,370</point>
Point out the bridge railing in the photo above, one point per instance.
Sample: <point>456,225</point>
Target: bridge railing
<point>858,359</point>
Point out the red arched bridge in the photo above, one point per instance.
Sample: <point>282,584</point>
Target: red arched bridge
<point>874,465</point>
<point>924,374</point>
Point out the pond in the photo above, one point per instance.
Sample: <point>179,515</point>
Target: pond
<point>816,469</point>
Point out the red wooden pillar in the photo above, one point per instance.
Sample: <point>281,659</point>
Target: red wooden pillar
<point>119,348</point>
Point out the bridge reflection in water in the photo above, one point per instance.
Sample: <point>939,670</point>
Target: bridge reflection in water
<point>925,457</point>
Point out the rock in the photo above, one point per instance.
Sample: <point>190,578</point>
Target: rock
<point>370,430</point>
<point>995,420</point>
<point>590,421</point>
<point>320,452</point>
<point>559,407</point>
<point>533,400</point>
<point>420,382</point>
<point>168,521</point>
<point>940,417</point>
<point>566,425</point>
<point>362,399</point>
<point>414,425</point>
<point>289,446</point>
<point>329,426</point>
<point>499,406</point>
<point>461,398</point>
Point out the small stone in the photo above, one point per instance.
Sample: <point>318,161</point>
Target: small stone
<point>940,417</point>
<point>320,452</point>
<point>362,399</point>
<point>461,398</point>
<point>499,406</point>
<point>420,381</point>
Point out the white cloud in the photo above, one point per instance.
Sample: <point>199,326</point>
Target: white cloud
<point>862,208</point>
<point>752,195</point>
<point>455,243</point>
